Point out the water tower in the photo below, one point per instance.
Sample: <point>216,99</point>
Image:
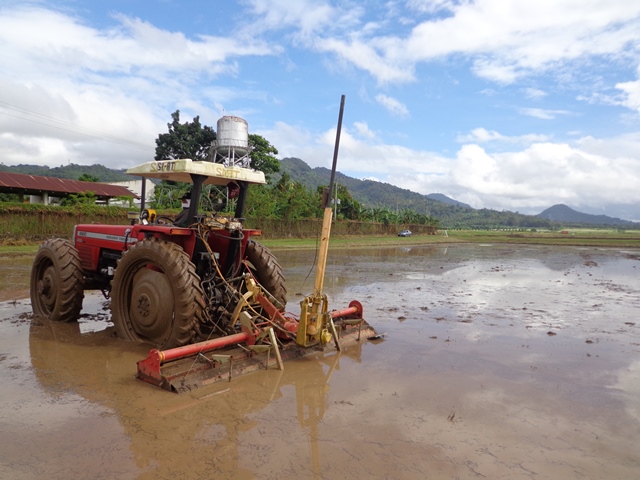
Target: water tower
<point>232,144</point>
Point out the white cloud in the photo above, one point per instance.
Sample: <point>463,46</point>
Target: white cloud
<point>356,155</point>
<point>590,172</point>
<point>618,147</point>
<point>631,91</point>
<point>367,58</point>
<point>544,174</point>
<point>130,46</point>
<point>503,40</point>
<point>543,114</point>
<point>392,105</point>
<point>434,6</point>
<point>363,130</point>
<point>82,94</point>
<point>307,16</point>
<point>482,135</point>
<point>495,70</point>
<point>534,93</point>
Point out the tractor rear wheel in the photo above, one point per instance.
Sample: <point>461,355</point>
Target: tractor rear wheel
<point>156,295</point>
<point>57,281</point>
<point>267,270</point>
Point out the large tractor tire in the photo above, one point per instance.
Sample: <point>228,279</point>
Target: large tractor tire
<point>156,296</point>
<point>267,270</point>
<point>57,281</point>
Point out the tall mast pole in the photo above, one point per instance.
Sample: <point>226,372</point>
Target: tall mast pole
<point>326,219</point>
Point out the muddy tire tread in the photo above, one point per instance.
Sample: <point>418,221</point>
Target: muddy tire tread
<point>189,308</point>
<point>267,270</point>
<point>70,291</point>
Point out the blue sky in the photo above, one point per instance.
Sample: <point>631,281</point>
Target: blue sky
<point>513,105</point>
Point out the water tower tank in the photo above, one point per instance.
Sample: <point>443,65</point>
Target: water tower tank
<point>232,136</point>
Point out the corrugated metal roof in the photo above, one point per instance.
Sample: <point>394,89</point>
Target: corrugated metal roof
<point>36,185</point>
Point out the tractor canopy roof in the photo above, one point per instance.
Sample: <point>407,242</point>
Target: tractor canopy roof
<point>181,171</point>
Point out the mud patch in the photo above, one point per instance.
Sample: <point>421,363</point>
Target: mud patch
<point>468,382</point>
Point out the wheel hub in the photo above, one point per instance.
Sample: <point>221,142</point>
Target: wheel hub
<point>45,288</point>
<point>144,306</point>
<point>151,310</point>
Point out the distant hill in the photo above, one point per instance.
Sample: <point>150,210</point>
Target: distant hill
<point>373,194</point>
<point>71,171</point>
<point>370,193</point>
<point>449,201</point>
<point>564,214</point>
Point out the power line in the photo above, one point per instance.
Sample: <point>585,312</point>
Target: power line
<point>67,126</point>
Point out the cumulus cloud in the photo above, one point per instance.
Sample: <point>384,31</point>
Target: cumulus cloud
<point>540,175</point>
<point>91,91</point>
<point>543,114</point>
<point>482,135</point>
<point>307,16</point>
<point>434,6</point>
<point>534,93</point>
<point>631,92</point>
<point>130,44</point>
<point>545,173</point>
<point>362,129</point>
<point>367,57</point>
<point>392,105</point>
<point>504,40</point>
<point>357,153</point>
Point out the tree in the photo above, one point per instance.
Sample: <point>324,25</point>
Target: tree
<point>185,140</point>
<point>81,198</point>
<point>262,156</point>
<point>261,202</point>
<point>294,200</point>
<point>86,177</point>
<point>9,197</point>
<point>349,207</point>
<point>193,140</point>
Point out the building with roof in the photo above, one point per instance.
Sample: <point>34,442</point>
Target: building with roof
<point>48,190</point>
<point>136,186</point>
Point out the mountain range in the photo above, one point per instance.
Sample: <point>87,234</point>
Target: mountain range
<point>70,171</point>
<point>451,212</point>
<point>563,214</point>
<point>374,194</point>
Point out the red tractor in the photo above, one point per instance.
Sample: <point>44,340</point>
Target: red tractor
<point>168,284</point>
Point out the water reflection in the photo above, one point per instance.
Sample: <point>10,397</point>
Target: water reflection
<point>210,426</point>
<point>348,267</point>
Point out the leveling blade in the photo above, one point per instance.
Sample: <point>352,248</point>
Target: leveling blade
<point>194,366</point>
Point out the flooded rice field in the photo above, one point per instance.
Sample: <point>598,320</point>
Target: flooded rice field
<point>499,362</point>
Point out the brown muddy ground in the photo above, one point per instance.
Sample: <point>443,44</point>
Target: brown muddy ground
<point>500,362</point>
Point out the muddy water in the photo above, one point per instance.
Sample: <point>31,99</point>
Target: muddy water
<point>499,362</point>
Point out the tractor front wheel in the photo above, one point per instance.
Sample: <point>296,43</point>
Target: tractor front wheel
<point>57,281</point>
<point>156,295</point>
